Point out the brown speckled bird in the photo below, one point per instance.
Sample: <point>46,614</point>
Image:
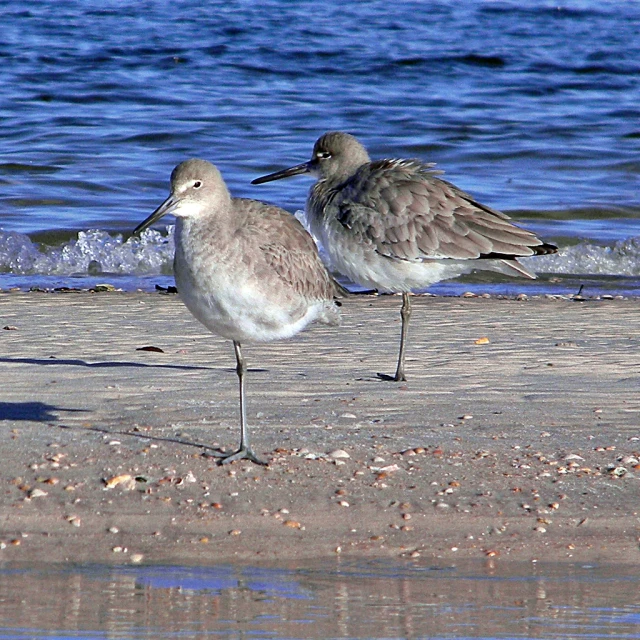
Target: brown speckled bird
<point>247,270</point>
<point>396,226</point>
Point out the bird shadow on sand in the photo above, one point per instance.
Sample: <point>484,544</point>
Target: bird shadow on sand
<point>31,411</point>
<point>213,452</point>
<point>43,412</point>
<point>114,364</point>
<point>98,365</point>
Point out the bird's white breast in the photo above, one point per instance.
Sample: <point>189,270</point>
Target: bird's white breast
<point>362,264</point>
<point>230,300</point>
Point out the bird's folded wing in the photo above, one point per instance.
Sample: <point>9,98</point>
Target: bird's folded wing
<point>406,212</point>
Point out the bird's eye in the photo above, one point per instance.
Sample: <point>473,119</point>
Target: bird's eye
<point>323,155</point>
<point>197,184</point>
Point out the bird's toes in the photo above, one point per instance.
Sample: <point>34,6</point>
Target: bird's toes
<point>397,378</point>
<point>243,454</point>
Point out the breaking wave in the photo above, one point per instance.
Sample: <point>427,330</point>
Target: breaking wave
<point>96,252</point>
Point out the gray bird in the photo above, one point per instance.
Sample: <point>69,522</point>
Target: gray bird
<point>395,226</point>
<point>247,270</point>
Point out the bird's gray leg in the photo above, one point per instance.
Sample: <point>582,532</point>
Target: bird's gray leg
<point>405,314</point>
<point>245,450</point>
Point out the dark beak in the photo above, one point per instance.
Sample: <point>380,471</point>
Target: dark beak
<point>305,167</point>
<point>166,207</point>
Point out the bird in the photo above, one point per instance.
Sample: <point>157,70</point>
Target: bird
<point>396,226</point>
<point>247,270</point>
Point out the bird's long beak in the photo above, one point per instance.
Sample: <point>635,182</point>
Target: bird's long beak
<point>297,169</point>
<point>166,207</point>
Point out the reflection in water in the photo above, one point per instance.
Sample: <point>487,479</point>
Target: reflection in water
<point>328,600</point>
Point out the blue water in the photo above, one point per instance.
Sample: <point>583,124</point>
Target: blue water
<point>532,107</point>
<point>328,599</point>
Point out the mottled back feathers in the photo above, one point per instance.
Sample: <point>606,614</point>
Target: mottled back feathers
<point>405,211</point>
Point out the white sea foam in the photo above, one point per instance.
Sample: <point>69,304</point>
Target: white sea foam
<point>620,259</point>
<point>94,252</point>
<point>91,253</point>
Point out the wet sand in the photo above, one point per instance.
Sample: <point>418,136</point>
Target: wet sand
<point>522,446</point>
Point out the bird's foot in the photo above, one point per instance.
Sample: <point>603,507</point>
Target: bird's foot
<point>399,377</point>
<point>244,453</point>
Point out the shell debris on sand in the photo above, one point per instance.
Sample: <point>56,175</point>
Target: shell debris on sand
<point>125,480</point>
<point>512,453</point>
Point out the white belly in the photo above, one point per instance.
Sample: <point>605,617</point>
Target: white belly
<point>235,306</point>
<point>364,266</point>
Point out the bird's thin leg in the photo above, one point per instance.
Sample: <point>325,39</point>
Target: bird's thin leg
<point>405,314</point>
<point>245,450</point>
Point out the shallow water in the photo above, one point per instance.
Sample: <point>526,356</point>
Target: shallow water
<point>532,109</point>
<point>331,599</point>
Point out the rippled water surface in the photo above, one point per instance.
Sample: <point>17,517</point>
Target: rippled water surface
<point>532,107</point>
<point>334,599</point>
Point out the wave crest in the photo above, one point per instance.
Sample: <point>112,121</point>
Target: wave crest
<point>92,252</point>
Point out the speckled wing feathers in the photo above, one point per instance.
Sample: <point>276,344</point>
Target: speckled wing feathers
<point>406,212</point>
<point>291,255</point>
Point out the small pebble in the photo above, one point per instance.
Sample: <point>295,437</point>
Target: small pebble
<point>126,480</point>
<point>615,471</point>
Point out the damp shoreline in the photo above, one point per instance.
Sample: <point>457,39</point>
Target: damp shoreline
<point>515,437</point>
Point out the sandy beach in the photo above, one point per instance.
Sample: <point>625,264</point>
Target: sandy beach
<point>517,435</point>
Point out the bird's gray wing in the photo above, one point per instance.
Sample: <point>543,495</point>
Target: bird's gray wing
<point>406,211</point>
<point>288,252</point>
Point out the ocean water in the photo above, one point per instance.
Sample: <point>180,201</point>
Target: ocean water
<point>534,108</point>
<point>330,599</point>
